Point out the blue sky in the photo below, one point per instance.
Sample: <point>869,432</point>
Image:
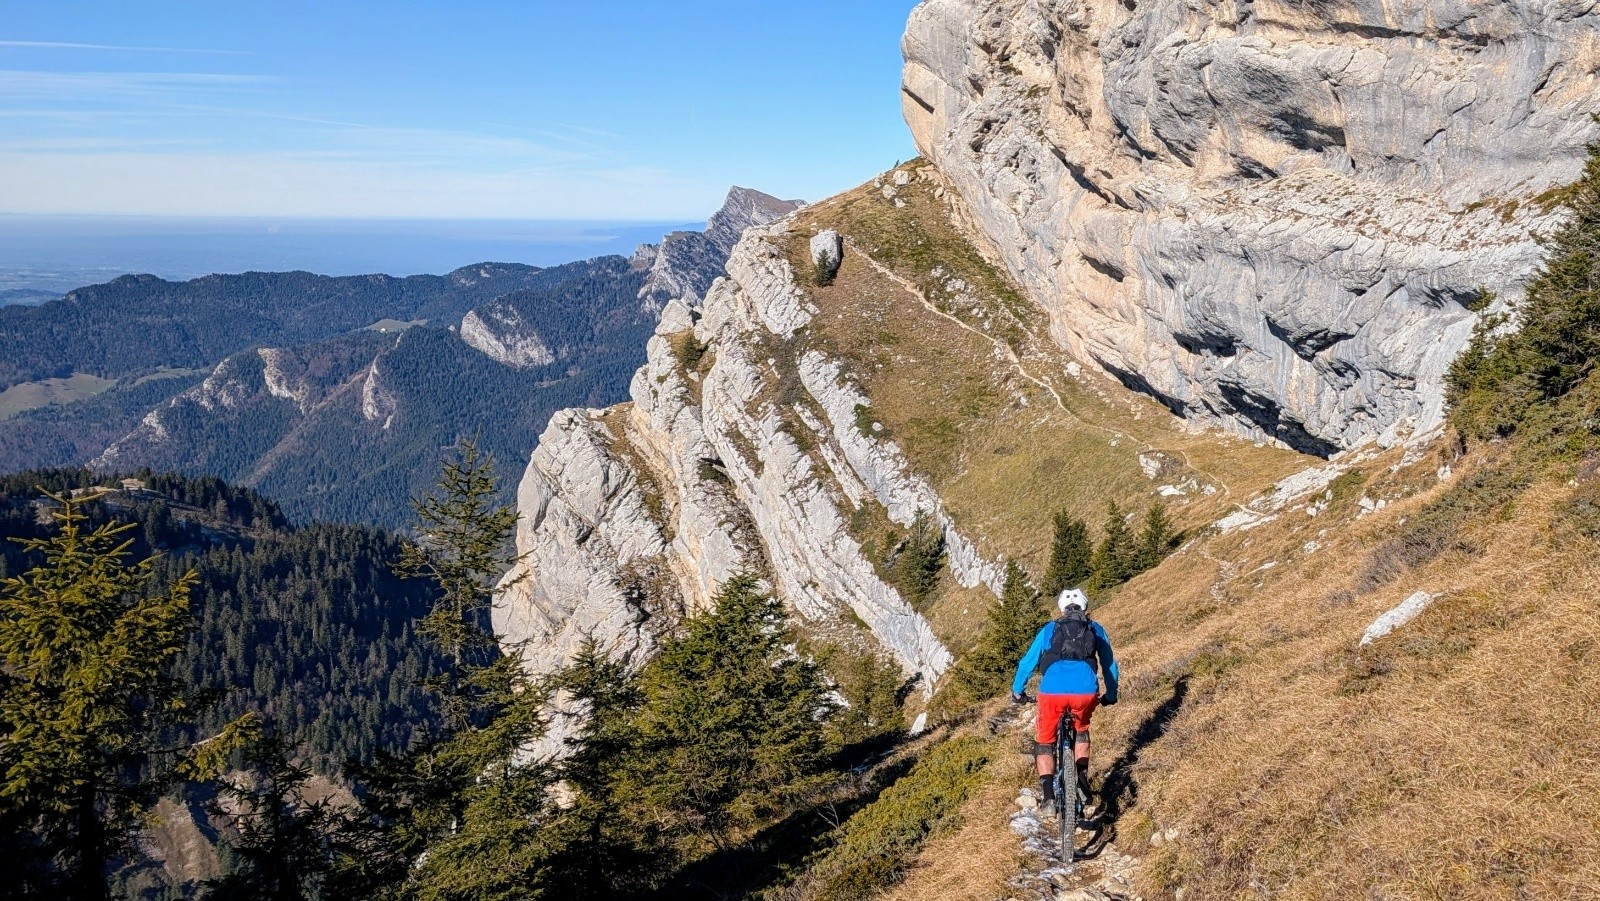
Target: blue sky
<point>609,109</point>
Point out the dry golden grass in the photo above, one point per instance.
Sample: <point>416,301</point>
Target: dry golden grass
<point>975,860</point>
<point>1456,758</point>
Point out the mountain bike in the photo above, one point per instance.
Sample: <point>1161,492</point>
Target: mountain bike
<point>1067,774</point>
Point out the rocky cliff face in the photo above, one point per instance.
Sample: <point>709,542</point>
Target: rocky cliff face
<point>685,264</point>
<point>723,462</point>
<point>1270,215</point>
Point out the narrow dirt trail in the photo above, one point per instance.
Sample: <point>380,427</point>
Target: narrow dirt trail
<point>1103,874</point>
<point>1021,369</point>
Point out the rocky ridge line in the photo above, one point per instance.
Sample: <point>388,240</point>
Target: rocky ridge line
<point>685,263</point>
<point>724,461</point>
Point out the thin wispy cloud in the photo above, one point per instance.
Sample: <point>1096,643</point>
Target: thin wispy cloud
<point>40,84</point>
<point>71,45</point>
<point>444,115</point>
<point>94,144</point>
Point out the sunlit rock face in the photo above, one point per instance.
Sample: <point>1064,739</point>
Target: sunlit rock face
<point>685,264</point>
<point>1273,215</point>
<point>633,516</point>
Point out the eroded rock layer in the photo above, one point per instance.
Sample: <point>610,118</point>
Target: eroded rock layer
<point>722,463</point>
<point>1272,215</point>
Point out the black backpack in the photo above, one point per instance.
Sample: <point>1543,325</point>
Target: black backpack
<point>1072,639</point>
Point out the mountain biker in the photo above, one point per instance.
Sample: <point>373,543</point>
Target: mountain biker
<point>1067,651</point>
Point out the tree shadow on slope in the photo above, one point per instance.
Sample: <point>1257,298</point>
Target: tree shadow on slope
<point>1120,790</point>
<point>771,856</point>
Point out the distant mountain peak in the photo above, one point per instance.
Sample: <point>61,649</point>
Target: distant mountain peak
<point>742,209</point>
<point>684,264</point>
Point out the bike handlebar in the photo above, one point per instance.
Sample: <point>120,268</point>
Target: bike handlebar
<point>1026,698</point>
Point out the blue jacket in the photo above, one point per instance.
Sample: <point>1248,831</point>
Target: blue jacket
<point>1067,677</point>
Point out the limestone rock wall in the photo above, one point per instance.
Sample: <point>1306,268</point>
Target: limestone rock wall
<point>1270,215</point>
<point>634,515</point>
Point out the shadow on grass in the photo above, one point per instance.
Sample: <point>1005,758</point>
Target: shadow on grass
<point>1120,790</point>
<point>771,856</point>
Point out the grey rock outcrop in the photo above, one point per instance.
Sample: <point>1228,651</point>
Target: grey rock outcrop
<point>499,332</point>
<point>634,515</point>
<point>1270,215</point>
<point>685,264</point>
<point>827,252</point>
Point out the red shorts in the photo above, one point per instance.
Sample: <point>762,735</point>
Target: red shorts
<point>1051,707</point>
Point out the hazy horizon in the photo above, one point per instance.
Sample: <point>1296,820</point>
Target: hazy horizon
<point>57,253</point>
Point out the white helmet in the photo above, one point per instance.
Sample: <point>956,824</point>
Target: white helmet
<point>1072,597</point>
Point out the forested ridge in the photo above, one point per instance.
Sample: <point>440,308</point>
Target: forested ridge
<point>719,766</point>
<point>346,424</point>
<point>126,326</point>
<point>306,627</point>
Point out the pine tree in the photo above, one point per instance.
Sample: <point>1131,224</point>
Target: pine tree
<point>604,846</point>
<point>466,800</point>
<point>918,560</point>
<point>281,849</point>
<point>87,708</point>
<point>463,548</point>
<point>1155,541</point>
<point>873,688</point>
<point>1114,557</point>
<point>1013,622</point>
<point>731,728</point>
<point>1071,556</point>
<point>497,847</point>
<point>1504,377</point>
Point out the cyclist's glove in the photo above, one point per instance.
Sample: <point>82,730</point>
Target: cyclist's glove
<point>1109,699</point>
<point>1018,698</point>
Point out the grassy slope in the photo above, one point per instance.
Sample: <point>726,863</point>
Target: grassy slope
<point>963,378</point>
<point>32,395</point>
<point>1455,758</point>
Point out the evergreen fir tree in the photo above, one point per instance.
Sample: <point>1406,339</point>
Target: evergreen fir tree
<point>731,730</point>
<point>1155,541</point>
<point>1013,622</point>
<point>464,548</point>
<point>87,710</point>
<point>466,800</point>
<point>1114,557</point>
<point>496,848</point>
<point>604,846</point>
<point>1071,556</point>
<point>917,562</point>
<point>1504,377</point>
<point>873,688</point>
<point>281,851</point>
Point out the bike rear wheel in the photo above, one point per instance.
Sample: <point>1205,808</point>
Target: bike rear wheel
<point>1067,813</point>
